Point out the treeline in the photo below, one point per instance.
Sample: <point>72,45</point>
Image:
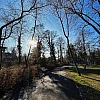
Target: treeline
<point>52,50</point>
<point>90,57</point>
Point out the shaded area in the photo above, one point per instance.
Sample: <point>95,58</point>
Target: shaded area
<point>88,83</point>
<point>66,85</point>
<point>87,71</point>
<point>23,83</point>
<point>91,78</point>
<point>8,77</point>
<point>89,93</point>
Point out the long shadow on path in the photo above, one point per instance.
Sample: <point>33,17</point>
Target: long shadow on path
<point>66,85</point>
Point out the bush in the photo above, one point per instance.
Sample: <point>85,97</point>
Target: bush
<point>8,77</point>
<point>50,66</point>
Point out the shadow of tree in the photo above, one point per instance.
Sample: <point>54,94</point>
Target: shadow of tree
<point>69,88</point>
<point>91,78</point>
<point>23,83</point>
<point>88,92</point>
<point>66,85</point>
<point>87,71</point>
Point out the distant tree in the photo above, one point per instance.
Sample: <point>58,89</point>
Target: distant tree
<point>50,38</point>
<point>94,56</point>
<point>97,53</point>
<point>35,55</point>
<point>14,55</point>
<point>60,47</point>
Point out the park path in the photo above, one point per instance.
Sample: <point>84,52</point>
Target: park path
<point>57,85</point>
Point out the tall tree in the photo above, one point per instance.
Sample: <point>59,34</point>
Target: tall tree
<point>13,21</point>
<point>13,18</point>
<point>59,11</point>
<point>88,10</point>
<point>50,38</point>
<point>60,47</point>
<point>14,55</point>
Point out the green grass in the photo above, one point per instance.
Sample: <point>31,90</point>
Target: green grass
<point>96,66</point>
<point>88,82</point>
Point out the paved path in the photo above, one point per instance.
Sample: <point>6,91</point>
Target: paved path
<point>55,86</point>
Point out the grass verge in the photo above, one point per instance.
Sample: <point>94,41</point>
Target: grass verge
<point>88,82</point>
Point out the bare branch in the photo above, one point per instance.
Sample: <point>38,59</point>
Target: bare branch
<point>11,30</point>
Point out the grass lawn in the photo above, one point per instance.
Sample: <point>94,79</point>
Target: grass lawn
<point>88,82</point>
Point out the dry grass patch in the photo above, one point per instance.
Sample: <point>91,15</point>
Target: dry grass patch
<point>8,77</point>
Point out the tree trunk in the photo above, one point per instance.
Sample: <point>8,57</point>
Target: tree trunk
<point>61,57</point>
<point>84,49</point>
<point>73,57</point>
<point>19,49</point>
<point>0,49</point>
<point>68,44</point>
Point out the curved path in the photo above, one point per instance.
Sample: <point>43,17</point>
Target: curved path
<point>56,86</point>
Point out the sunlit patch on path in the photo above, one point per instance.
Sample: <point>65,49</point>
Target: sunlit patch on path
<point>55,86</point>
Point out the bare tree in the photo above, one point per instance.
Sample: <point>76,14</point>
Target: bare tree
<point>13,18</point>
<point>60,47</point>
<point>57,7</point>
<point>50,38</point>
<point>84,10</point>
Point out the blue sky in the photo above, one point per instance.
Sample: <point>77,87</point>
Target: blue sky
<point>50,22</point>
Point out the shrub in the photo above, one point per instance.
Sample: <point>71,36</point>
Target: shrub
<point>8,77</point>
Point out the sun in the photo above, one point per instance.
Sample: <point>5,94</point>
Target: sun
<point>32,43</point>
